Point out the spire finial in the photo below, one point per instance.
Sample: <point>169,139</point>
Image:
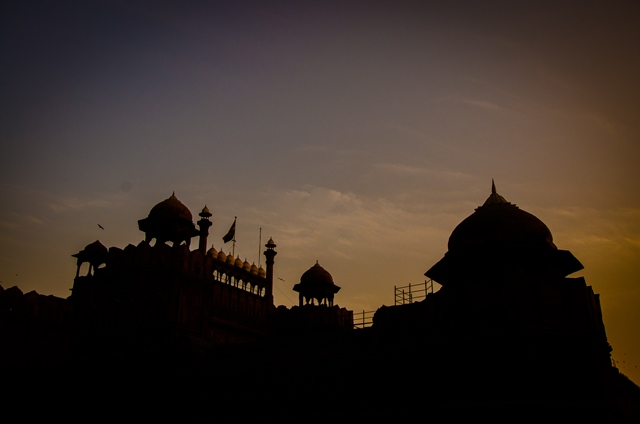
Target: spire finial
<point>494,198</point>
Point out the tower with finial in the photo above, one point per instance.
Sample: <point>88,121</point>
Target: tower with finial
<point>270,254</point>
<point>203,225</point>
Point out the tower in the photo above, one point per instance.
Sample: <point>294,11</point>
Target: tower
<point>270,254</point>
<point>203,225</point>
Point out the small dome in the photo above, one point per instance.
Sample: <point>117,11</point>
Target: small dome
<point>261,272</point>
<point>316,283</point>
<point>230,259</point>
<point>316,275</point>
<point>222,256</point>
<point>253,269</point>
<point>205,211</point>
<point>239,262</point>
<point>171,208</point>
<point>246,266</point>
<point>212,252</point>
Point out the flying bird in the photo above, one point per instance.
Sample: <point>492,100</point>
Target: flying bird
<point>101,227</point>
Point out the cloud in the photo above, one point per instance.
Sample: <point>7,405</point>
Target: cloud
<point>344,224</point>
<point>402,169</point>
<point>34,220</point>
<point>65,204</point>
<point>617,229</point>
<point>482,104</point>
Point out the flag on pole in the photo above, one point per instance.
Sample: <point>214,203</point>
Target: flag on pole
<point>231,234</point>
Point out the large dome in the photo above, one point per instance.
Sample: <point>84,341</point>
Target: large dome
<point>498,223</point>
<point>499,237</point>
<point>171,208</point>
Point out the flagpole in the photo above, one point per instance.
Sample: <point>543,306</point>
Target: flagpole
<point>231,235</point>
<point>259,246</point>
<point>235,218</point>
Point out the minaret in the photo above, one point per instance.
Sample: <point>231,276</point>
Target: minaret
<point>270,253</point>
<point>204,225</point>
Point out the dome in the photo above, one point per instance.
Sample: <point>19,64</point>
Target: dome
<point>254,269</point>
<point>316,275</point>
<point>239,262</point>
<point>499,238</point>
<point>230,259</point>
<point>316,284</point>
<point>262,273</point>
<point>96,248</point>
<point>246,265</point>
<point>171,208</point>
<point>212,252</point>
<point>222,256</point>
<point>498,223</point>
<point>205,212</point>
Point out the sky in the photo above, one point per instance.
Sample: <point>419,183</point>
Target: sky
<point>354,133</point>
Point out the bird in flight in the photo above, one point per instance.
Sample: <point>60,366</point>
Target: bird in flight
<point>101,227</point>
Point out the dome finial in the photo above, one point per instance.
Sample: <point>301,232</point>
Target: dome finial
<point>494,198</point>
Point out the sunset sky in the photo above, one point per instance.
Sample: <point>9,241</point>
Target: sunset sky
<point>355,133</point>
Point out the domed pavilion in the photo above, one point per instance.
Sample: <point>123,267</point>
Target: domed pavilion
<point>316,283</point>
<point>169,220</point>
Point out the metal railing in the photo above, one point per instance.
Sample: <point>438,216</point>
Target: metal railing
<point>412,292</point>
<point>363,319</point>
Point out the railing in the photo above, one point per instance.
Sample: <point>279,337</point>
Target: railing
<point>363,319</point>
<point>412,292</point>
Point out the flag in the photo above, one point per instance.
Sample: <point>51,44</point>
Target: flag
<point>231,234</point>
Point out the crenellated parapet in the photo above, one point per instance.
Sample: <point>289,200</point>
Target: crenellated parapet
<point>215,267</point>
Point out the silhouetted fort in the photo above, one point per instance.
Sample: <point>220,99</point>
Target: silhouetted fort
<point>159,331</point>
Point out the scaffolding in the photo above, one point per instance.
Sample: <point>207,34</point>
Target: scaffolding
<point>413,292</point>
<point>363,319</point>
<point>403,296</point>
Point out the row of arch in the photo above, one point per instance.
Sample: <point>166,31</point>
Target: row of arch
<point>234,281</point>
<point>215,265</point>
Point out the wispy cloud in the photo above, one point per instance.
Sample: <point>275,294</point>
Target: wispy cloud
<point>34,219</point>
<point>479,103</point>
<point>347,222</point>
<point>62,205</point>
<point>400,168</point>
<point>482,104</point>
<point>589,228</point>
